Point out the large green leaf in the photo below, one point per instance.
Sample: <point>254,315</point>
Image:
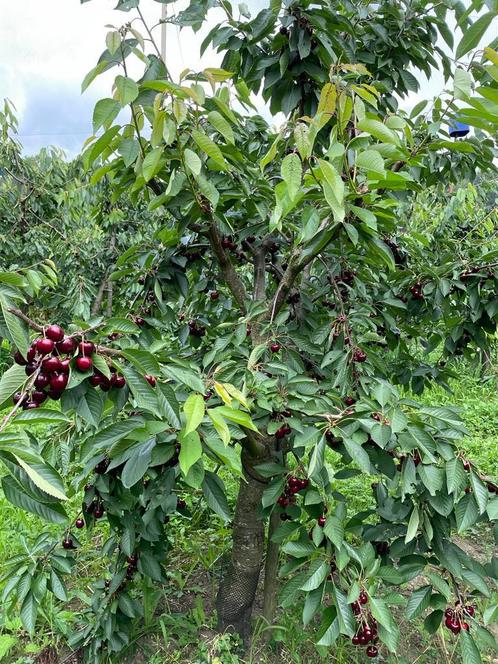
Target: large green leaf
<point>11,382</point>
<point>210,148</point>
<point>190,450</point>
<point>473,35</point>
<point>214,492</point>
<point>194,409</point>
<point>16,327</point>
<point>138,463</point>
<point>52,512</point>
<point>45,477</point>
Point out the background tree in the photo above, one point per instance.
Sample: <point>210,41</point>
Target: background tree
<point>287,314</point>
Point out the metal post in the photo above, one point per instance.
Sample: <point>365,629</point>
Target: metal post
<point>164,15</point>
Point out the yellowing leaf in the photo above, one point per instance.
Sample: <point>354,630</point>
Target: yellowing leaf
<point>222,393</point>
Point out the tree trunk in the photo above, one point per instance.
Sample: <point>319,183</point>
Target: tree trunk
<point>271,573</point>
<point>238,587</point>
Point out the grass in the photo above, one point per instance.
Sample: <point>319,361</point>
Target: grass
<point>182,629</point>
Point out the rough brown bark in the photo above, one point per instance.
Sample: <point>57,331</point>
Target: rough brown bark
<point>238,587</point>
<point>271,571</point>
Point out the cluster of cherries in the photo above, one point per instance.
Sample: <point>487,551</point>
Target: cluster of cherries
<point>416,291</point>
<point>195,329</point>
<point>367,626</point>
<point>50,357</point>
<point>293,486</point>
<point>455,619</point>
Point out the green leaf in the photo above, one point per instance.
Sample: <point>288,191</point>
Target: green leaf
<point>143,393</point>
<point>440,584</point>
<point>110,435</point>
<point>381,613</point>
<point>220,425</point>
<point>237,416</point>
<point>371,161</point>
<point>466,512</point>
<point>137,465</point>
<point>303,140</point>
<point>210,148</point>
<point>418,602</point>
<point>194,409</point>
<point>190,450</point>
<point>104,113</point>
<point>142,360</point>
<point>378,130</point>
<point>317,458</point>
<point>271,154</point>
<point>51,512</point>
<point>299,549</point>
<point>214,492</point>
<point>221,126</point>
<point>291,171</point>
<point>468,648</point>
<point>333,189</point>
<point>413,525</point>
<point>11,382</point>
<point>334,530</point>
<point>473,35</point>
<point>480,491</point>
<point>16,327</point>
<point>347,622</point>
<point>57,586</point>
<point>462,84</point>
<point>44,477</point>
<point>192,162</point>
<point>127,90</point>
<point>456,477</point>
<point>41,416</point>
<point>152,163</point>
<point>185,377</point>
<point>29,611</point>
<point>316,574</point>
<point>113,41</point>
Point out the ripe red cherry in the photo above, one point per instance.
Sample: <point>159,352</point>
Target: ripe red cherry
<point>19,359</point>
<point>65,365</point>
<point>363,598</point>
<point>17,397</point>
<point>466,465</point>
<point>377,417</point>
<point>58,382</point>
<point>355,640</point>
<point>99,511</point>
<point>275,347</point>
<point>38,396</point>
<point>54,394</point>
<point>42,380</point>
<point>31,354</point>
<point>86,347</point>
<point>372,651</point>
<point>54,332</point>
<point>214,295</point>
<point>359,356</point>
<point>321,521</point>
<point>469,610</point>
<point>67,345</point>
<point>105,384</point>
<point>44,346</point>
<point>68,543</point>
<point>139,321</point>
<point>465,626</point>
<point>30,368</point>
<point>281,433</point>
<point>181,504</point>
<point>150,379</point>
<point>94,380</point>
<point>79,523</point>
<point>349,401</point>
<point>51,364</point>
<point>84,363</point>
<point>132,560</point>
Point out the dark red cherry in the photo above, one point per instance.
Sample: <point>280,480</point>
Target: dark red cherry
<point>84,363</point>
<point>30,368</point>
<point>363,598</point>
<point>65,365</point>
<point>275,347</point>
<point>58,382</point>
<point>54,332</point>
<point>214,295</point>
<point>372,651</point>
<point>67,346</point>
<point>94,380</point>
<point>181,504</point>
<point>79,523</point>
<point>38,396</point>
<point>29,405</point>
<point>54,394</point>
<point>68,543</point>
<point>86,347</point>
<point>105,384</point>
<point>19,359</point>
<point>150,379</point>
<point>98,512</point>
<point>321,521</point>
<point>51,364</point>
<point>44,346</point>
<point>31,354</point>
<point>42,380</point>
<point>349,401</point>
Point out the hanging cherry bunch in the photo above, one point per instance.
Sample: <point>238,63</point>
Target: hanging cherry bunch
<point>292,487</point>
<point>367,632</point>
<point>50,358</point>
<point>456,618</point>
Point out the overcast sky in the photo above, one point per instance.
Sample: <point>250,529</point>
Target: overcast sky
<point>47,47</point>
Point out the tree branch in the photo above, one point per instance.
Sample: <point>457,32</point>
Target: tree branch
<point>259,273</point>
<point>230,276</point>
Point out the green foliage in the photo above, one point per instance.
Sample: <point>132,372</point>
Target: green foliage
<point>292,293</point>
